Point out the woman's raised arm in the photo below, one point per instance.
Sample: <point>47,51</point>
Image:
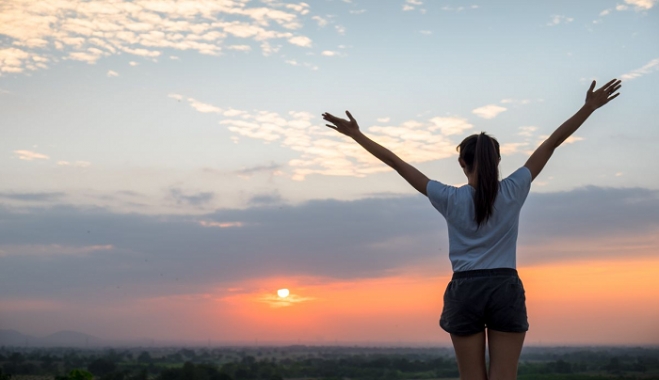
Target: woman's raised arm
<point>594,100</point>
<point>350,128</point>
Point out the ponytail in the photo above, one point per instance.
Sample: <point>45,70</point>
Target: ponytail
<point>481,153</point>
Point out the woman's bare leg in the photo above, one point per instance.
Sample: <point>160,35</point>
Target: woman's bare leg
<point>470,353</point>
<point>504,349</point>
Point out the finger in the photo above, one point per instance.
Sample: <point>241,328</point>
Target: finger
<point>612,97</point>
<point>613,87</point>
<point>331,126</point>
<point>608,84</point>
<point>592,86</point>
<point>350,116</point>
<point>330,117</point>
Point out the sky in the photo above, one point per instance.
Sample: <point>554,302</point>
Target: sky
<point>166,168</point>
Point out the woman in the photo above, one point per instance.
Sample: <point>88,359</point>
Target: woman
<point>485,295</point>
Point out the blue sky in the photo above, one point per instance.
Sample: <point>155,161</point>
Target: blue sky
<point>129,112</point>
<point>163,114</point>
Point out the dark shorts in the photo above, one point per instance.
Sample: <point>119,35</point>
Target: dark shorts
<point>484,298</point>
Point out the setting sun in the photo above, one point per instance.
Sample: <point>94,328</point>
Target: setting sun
<point>283,293</point>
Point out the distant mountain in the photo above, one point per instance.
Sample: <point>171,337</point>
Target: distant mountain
<point>15,338</point>
<point>67,338</point>
<point>59,339</point>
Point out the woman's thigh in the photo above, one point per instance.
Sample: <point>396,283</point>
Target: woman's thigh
<point>504,350</point>
<point>470,354</point>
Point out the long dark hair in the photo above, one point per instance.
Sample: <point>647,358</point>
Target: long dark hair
<point>480,152</point>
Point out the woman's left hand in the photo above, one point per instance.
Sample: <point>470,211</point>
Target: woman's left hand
<point>347,127</point>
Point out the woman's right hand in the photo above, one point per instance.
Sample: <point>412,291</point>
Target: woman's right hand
<point>347,127</point>
<point>596,99</point>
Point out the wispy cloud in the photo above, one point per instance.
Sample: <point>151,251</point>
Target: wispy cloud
<point>210,223</point>
<point>250,171</point>
<point>527,131</point>
<point>275,301</point>
<point>203,107</point>
<point>300,41</point>
<point>47,250</point>
<point>32,197</point>
<point>512,148</point>
<point>489,111</point>
<point>648,68</point>
<point>265,199</point>
<point>459,8</point>
<point>29,155</point>
<point>77,164</point>
<point>641,5</point>
<point>193,199</point>
<point>112,73</point>
<point>411,5</point>
<point>321,21</point>
<point>559,19</point>
<point>239,47</point>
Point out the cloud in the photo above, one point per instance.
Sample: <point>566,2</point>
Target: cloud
<point>527,131</point>
<point>112,73</point>
<point>329,53</point>
<point>175,96</point>
<point>203,107</point>
<point>300,41</point>
<point>29,155</point>
<point>648,68</point>
<point>239,47</point>
<point>357,12</point>
<point>459,9</point>
<point>383,119</point>
<point>321,21</point>
<point>250,171</point>
<point>14,60</point>
<point>78,164</point>
<point>271,198</point>
<point>194,199</point>
<point>512,148</point>
<point>325,152</point>
<point>324,238</point>
<point>49,250</point>
<point>425,32</point>
<point>410,5</point>
<point>39,34</point>
<point>206,223</point>
<point>33,197</point>
<point>489,111</point>
<point>640,5</point>
<point>559,19</point>
<point>276,301</point>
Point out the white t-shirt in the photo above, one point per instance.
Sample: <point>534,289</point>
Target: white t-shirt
<point>494,244</point>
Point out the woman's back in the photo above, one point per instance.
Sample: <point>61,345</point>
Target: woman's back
<point>493,244</point>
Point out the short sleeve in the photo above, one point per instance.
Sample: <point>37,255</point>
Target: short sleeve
<point>438,194</point>
<point>518,184</point>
